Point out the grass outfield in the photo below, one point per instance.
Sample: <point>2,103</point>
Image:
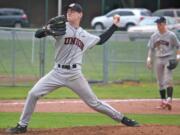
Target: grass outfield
<point>110,91</point>
<point>59,120</point>
<point>114,91</point>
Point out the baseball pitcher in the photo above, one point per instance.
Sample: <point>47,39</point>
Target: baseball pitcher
<point>164,47</point>
<point>71,43</point>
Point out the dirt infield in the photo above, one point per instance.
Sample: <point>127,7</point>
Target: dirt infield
<point>106,130</point>
<point>143,106</point>
<point>136,106</point>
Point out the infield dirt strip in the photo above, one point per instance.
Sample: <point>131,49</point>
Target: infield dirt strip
<point>139,106</point>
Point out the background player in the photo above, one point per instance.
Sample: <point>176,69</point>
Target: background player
<point>69,50</point>
<point>163,46</point>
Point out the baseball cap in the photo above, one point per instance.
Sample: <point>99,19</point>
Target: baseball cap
<point>161,20</point>
<point>75,6</point>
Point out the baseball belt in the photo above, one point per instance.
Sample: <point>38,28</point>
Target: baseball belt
<point>67,66</point>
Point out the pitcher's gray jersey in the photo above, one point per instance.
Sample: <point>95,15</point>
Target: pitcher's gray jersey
<point>163,44</point>
<point>70,48</point>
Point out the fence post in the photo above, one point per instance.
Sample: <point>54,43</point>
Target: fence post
<point>105,63</point>
<point>13,58</point>
<point>42,56</point>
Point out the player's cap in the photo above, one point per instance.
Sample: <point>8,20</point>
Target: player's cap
<point>75,6</point>
<point>161,20</point>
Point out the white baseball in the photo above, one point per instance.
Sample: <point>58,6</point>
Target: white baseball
<point>117,17</point>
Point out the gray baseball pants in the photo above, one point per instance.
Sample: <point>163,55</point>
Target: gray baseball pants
<point>73,80</point>
<point>163,74</point>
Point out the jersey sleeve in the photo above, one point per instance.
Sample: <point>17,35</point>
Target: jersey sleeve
<point>175,41</point>
<point>150,43</point>
<point>91,40</point>
<point>150,46</point>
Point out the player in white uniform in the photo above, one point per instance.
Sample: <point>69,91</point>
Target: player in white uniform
<point>69,51</point>
<point>163,46</point>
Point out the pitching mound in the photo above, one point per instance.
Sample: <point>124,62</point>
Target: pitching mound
<point>107,130</point>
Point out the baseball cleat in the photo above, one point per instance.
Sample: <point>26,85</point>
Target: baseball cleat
<point>162,106</point>
<point>17,130</point>
<point>169,106</point>
<point>128,122</point>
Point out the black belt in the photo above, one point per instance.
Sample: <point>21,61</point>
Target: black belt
<point>67,66</point>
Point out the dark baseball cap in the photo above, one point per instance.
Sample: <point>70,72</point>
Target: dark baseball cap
<point>161,19</point>
<point>75,7</point>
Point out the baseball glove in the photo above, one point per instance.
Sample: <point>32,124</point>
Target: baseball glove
<point>172,64</point>
<point>56,26</point>
<point>40,33</point>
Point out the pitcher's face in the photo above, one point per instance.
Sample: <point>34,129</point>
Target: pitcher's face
<point>73,16</point>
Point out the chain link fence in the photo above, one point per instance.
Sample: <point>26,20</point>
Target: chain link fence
<point>24,59</point>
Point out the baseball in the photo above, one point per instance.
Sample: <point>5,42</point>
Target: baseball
<point>117,17</point>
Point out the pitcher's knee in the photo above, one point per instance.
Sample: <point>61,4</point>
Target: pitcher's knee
<point>161,86</point>
<point>33,94</point>
<point>169,84</point>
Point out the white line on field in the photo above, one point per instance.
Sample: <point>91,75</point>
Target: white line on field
<point>80,101</point>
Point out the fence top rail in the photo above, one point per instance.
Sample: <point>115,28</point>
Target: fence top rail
<point>18,29</point>
<point>34,29</point>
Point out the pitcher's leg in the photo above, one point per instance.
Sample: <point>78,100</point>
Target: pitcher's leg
<point>45,85</point>
<point>41,88</point>
<point>82,88</point>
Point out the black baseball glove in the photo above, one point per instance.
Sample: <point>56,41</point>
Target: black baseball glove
<point>56,26</point>
<point>172,64</point>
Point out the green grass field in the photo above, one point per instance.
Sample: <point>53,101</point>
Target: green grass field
<point>115,91</point>
<point>111,91</point>
<point>59,120</point>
